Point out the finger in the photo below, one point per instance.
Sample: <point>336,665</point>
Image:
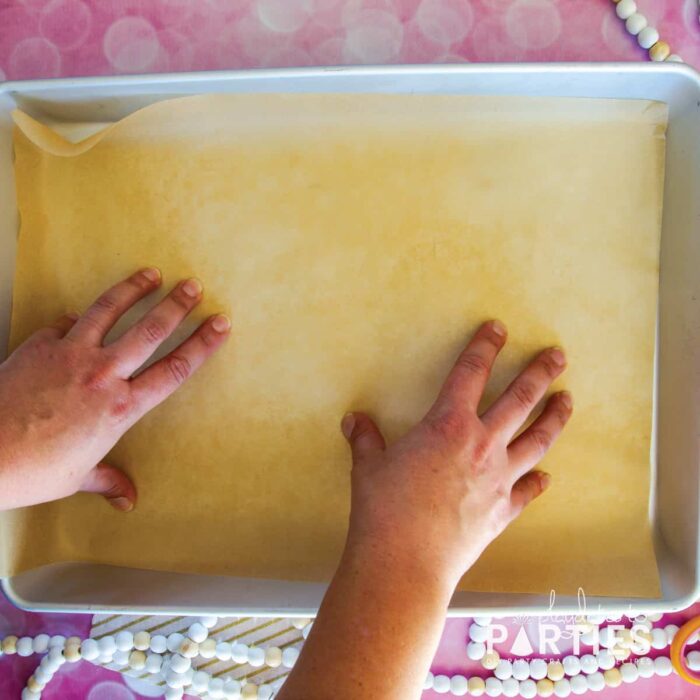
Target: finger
<point>527,489</point>
<point>142,339</point>
<point>59,327</point>
<point>511,410</point>
<point>466,382</point>
<point>97,321</point>
<point>161,379</point>
<point>363,435</point>
<point>529,448</point>
<point>113,484</point>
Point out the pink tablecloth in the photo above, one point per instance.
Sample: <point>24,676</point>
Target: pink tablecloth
<point>50,38</point>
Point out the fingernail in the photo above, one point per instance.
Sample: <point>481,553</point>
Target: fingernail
<point>73,315</point>
<point>558,357</point>
<point>151,273</point>
<point>347,425</point>
<point>499,329</point>
<point>566,398</point>
<point>545,480</point>
<point>192,287</point>
<point>221,323</point>
<point>121,503</point>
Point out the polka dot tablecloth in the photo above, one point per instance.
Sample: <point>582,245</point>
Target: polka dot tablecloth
<point>51,38</point>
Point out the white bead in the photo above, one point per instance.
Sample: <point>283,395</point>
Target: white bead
<point>693,660</point>
<point>174,641</point>
<point>289,656</point>
<point>629,672</point>
<point>510,688</point>
<point>645,666</point>
<point>663,666</point>
<point>483,621</point>
<point>256,657</point>
<point>306,630</point>
<point>200,682</point>
<point>239,653</point>
<point>503,670</point>
<point>207,649</point>
<point>588,663</point>
<point>538,669</point>
<point>107,645</point>
<point>209,621</point>
<point>578,685</point>
<point>606,660</point>
<point>142,640</point>
<point>494,687</point>
<point>216,688</point>
<point>476,650</point>
<point>179,664</point>
<point>265,691</point>
<point>528,689</point>
<point>590,638</point>
<point>30,695</point>
<point>674,58</point>
<point>562,688</point>
<point>42,675</point>
<point>428,682</point>
<point>658,639</point>
<point>625,8</point>
<point>40,643</point>
<point>458,685</point>
<point>572,665</point>
<point>521,670</point>
<point>197,632</point>
<point>174,679</point>
<point>300,622</point>
<point>124,640</point>
<point>25,646</point>
<point>58,640</point>
<point>223,651</point>
<point>154,663</point>
<point>441,684</point>
<point>232,689</point>
<point>647,37</point>
<point>89,649</point>
<point>595,682</point>
<point>477,633</point>
<point>654,617</point>
<point>174,693</point>
<point>159,644</point>
<point>121,657</point>
<point>671,631</point>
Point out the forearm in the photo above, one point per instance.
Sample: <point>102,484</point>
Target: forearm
<point>376,632</point>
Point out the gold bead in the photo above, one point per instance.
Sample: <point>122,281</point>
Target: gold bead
<point>545,688</point>
<point>9,645</point>
<point>490,660</point>
<point>555,671</point>
<point>249,692</point>
<point>34,685</point>
<point>476,685</point>
<point>613,677</point>
<point>660,51</point>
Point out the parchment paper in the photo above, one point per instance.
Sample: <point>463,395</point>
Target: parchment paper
<point>357,241</point>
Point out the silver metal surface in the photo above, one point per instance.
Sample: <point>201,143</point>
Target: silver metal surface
<point>675,495</point>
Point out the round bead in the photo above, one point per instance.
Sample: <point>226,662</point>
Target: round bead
<point>658,639</point>
<point>629,673</point>
<point>494,687</point>
<point>289,657</point>
<point>209,621</point>
<point>645,666</point>
<point>562,688</point>
<point>188,648</point>
<point>608,637</point>
<point>693,660</point>
<point>57,640</point>
<point>490,660</point>
<point>476,651</point>
<point>107,646</point>
<point>173,693</point>
<point>663,666</point>
<point>590,638</point>
<point>660,51</point>
<point>121,658</point>
<point>25,646</point>
<point>174,641</point>
<point>232,688</point>
<point>179,664</point>
<point>578,685</point>
<point>612,678</point>
<point>154,663</point>
<point>256,657</point>
<point>142,640</point>
<point>483,621</point>
<point>72,653</point>
<point>216,688</point>
<point>477,687</point>
<point>124,640</point>
<point>459,685</point>
<point>197,632</point>
<point>670,631</point>
<point>40,643</point>
<point>300,622</point>
<point>528,689</point>
<point>273,657</point>
<point>521,670</point>
<point>555,670</point>
<point>249,691</point>
<point>223,651</point>
<point>137,660</point>
<point>159,644</point>
<point>477,633</point>
<point>588,663</point>
<point>510,688</point>
<point>9,644</point>
<point>503,670</point>
<point>625,8</point>
<point>675,58</point>
<point>265,691</point>
<point>42,675</point>
<point>538,669</point>
<point>34,685</point>
<point>647,37</point>
<point>545,688</point>
<point>239,653</point>
<point>595,681</point>
<point>621,653</point>
<point>572,665</point>
<point>441,684</point>
<point>635,23</point>
<point>654,617</point>
<point>89,649</point>
<point>606,660</point>
<point>625,638</point>
<point>428,682</point>
<point>207,649</point>
<point>29,695</point>
<point>200,682</point>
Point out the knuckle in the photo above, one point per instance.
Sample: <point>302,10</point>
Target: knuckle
<point>524,394</point>
<point>449,425</point>
<point>181,300</point>
<point>542,440</point>
<point>121,407</point>
<point>480,452</point>
<point>207,337</point>
<point>152,331</point>
<point>179,368</point>
<point>473,363</point>
<point>106,303</point>
<point>97,379</point>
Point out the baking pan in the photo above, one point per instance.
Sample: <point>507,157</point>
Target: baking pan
<point>80,105</point>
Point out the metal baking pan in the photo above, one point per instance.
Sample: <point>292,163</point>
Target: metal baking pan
<point>674,501</point>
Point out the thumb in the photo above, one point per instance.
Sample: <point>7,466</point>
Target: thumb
<point>363,435</point>
<point>526,489</point>
<point>113,484</point>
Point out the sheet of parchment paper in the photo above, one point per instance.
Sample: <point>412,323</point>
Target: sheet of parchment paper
<point>357,241</point>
